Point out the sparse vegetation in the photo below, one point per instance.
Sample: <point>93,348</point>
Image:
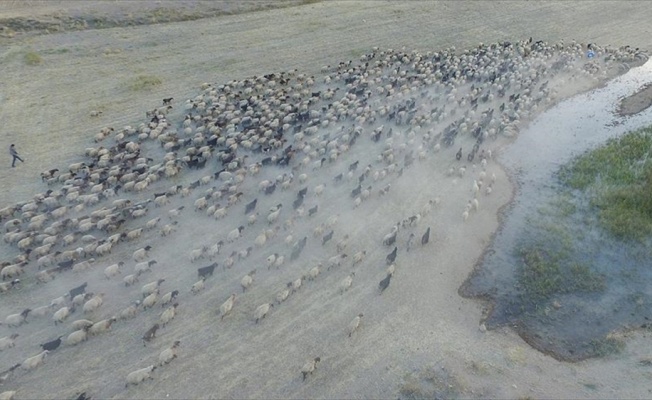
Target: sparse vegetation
<point>32,58</point>
<point>608,346</point>
<point>145,82</point>
<point>617,177</point>
<point>430,383</point>
<point>544,273</point>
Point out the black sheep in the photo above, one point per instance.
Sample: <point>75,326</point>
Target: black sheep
<point>391,257</point>
<point>251,206</point>
<point>302,192</point>
<point>206,271</point>
<point>313,211</point>
<point>426,237</point>
<point>78,290</point>
<point>52,345</point>
<point>327,238</point>
<point>384,283</point>
<point>297,202</point>
<point>150,334</point>
<point>356,192</point>
<point>458,155</point>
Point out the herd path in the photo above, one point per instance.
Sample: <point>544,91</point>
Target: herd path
<point>420,325</point>
<point>46,108</point>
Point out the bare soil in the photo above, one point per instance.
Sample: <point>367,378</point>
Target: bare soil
<point>419,339</point>
<point>637,102</point>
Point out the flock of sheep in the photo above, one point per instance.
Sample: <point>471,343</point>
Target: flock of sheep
<point>276,175</point>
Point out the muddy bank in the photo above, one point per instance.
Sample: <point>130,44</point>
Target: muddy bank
<point>637,102</point>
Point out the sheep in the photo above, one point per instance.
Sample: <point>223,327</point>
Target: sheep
<point>359,257</point>
<point>61,314</point>
<point>385,283</point>
<point>7,286</point>
<point>150,334</point>
<point>141,254</point>
<point>234,234</point>
<point>214,250</point>
<point>82,266</point>
<point>60,301</point>
<point>196,254</point>
<point>283,294</point>
<point>262,311</point>
<point>150,300</point>
<point>113,270</point>
<point>341,245</point>
<point>11,271</point>
<point>130,312</point>
<point>34,362</point>
<point>426,237</point>
<point>206,271</point>
<point>52,344</point>
<point>81,298</point>
<point>152,223</point>
<point>138,376</point>
<point>168,297</point>
<point>7,342</point>
<point>336,261</point>
<point>296,284</point>
<point>227,306</point>
<point>353,326</point>
<point>130,279</point>
<point>101,326</point>
<point>77,337</point>
<point>346,283</point>
<point>134,234</point>
<point>168,314</point>
<point>391,257</point>
<point>81,324</point>
<point>149,288</point>
<point>260,240</point>
<point>93,304</point>
<point>17,319</point>
<point>168,228</point>
<point>145,266</point>
<point>314,272</point>
<point>198,286</point>
<point>77,290</point>
<point>247,280</point>
<point>168,354</point>
<point>8,395</point>
<point>309,367</point>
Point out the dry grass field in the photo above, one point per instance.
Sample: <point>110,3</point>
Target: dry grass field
<point>425,340</point>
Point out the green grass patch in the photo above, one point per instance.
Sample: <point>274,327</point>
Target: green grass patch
<point>145,82</point>
<point>607,346</point>
<point>617,177</point>
<point>32,58</point>
<point>544,273</point>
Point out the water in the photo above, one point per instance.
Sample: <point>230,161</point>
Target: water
<point>574,325</point>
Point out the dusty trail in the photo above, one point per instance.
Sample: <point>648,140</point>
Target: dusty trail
<point>421,322</point>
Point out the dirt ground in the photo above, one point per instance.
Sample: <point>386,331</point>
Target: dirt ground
<point>426,338</point>
<point>637,102</point>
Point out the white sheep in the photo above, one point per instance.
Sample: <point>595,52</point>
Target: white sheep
<point>34,362</point>
<point>150,300</point>
<point>260,240</point>
<point>101,326</point>
<point>113,270</point>
<point>61,315</point>
<point>81,324</point>
<point>234,234</point>
<point>296,284</point>
<point>82,266</point>
<point>168,314</point>
<point>353,325</point>
<point>8,342</point>
<point>346,283</point>
<point>309,367</point>
<point>314,272</point>
<point>77,337</point>
<point>130,312</point>
<point>136,377</point>
<point>94,303</point>
<point>145,266</point>
<point>359,257</point>
<point>141,254</point>
<point>247,280</point>
<point>283,294</point>
<point>17,319</point>
<point>198,286</point>
<point>262,311</point>
<point>227,306</point>
<point>168,297</point>
<point>130,279</point>
<point>149,288</point>
<point>168,354</point>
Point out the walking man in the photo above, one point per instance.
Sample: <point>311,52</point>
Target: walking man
<point>14,153</point>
